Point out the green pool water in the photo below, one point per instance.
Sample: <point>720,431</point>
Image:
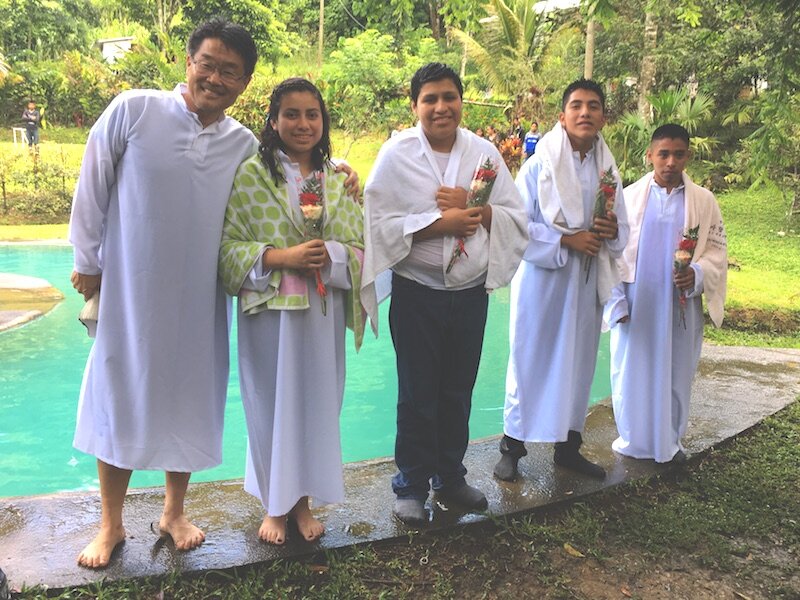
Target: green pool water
<point>41,365</point>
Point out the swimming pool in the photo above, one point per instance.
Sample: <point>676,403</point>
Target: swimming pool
<point>41,365</point>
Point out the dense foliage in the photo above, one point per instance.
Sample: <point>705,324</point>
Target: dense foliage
<point>727,69</point>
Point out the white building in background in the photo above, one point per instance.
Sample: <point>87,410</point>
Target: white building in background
<point>113,49</point>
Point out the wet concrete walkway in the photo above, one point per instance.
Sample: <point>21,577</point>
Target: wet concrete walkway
<point>41,536</point>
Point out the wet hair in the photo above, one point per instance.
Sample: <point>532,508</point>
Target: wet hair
<point>434,72</point>
<point>232,35</point>
<point>583,84</point>
<point>271,141</point>
<point>670,131</point>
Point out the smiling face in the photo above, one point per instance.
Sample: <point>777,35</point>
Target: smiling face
<point>582,118</point>
<point>669,157</point>
<point>207,95</point>
<point>438,108</point>
<point>299,125</point>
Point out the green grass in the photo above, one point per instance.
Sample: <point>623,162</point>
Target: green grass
<point>24,233</point>
<point>766,251</point>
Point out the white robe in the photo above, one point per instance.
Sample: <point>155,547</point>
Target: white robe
<point>653,356</point>
<point>148,213</point>
<point>555,318</point>
<point>400,199</point>
<point>292,374</point>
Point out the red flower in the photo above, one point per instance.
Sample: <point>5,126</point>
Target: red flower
<point>308,198</point>
<point>609,191</point>
<point>687,244</point>
<point>486,175</point>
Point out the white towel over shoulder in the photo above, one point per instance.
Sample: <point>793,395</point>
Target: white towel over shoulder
<point>560,196</point>
<point>400,199</point>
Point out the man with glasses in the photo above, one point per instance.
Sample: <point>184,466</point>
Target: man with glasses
<point>146,221</point>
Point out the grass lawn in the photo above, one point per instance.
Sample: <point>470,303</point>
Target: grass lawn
<point>723,526</point>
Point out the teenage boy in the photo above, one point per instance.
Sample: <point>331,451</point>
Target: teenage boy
<point>566,276</point>
<point>656,313</point>
<point>416,213</point>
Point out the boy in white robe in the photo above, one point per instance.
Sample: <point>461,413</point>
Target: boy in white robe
<point>147,218</point>
<point>656,336</point>
<point>565,278</point>
<point>416,212</point>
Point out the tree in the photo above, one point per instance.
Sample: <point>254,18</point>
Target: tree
<point>264,19</point>
<point>595,10</point>
<point>359,79</point>
<point>44,29</point>
<point>509,45</point>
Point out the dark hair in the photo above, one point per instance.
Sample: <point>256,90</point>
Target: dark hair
<point>583,84</point>
<point>671,131</point>
<point>271,141</point>
<point>232,35</point>
<point>434,72</point>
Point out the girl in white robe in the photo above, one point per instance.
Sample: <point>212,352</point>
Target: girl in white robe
<point>296,296</point>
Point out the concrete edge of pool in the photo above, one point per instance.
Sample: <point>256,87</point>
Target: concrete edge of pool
<point>40,536</point>
<point>24,299</point>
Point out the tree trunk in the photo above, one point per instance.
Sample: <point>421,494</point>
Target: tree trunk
<point>647,74</point>
<point>321,32</point>
<point>588,62</point>
<point>433,18</point>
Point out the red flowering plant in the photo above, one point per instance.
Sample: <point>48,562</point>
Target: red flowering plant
<point>480,188</point>
<point>511,151</point>
<point>312,204</point>
<point>682,257</point>
<point>603,202</point>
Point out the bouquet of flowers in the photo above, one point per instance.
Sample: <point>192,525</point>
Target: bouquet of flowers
<point>480,188</point>
<point>682,257</point>
<point>312,204</point>
<point>603,202</point>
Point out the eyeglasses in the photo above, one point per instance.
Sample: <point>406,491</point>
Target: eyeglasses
<point>206,69</point>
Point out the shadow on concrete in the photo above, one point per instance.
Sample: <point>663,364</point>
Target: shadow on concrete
<point>41,536</point>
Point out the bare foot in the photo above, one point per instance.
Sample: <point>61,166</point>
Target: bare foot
<point>98,552</point>
<point>273,530</point>
<point>309,527</point>
<point>185,535</point>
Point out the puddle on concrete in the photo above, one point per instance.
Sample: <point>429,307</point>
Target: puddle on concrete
<point>360,528</point>
<point>11,519</point>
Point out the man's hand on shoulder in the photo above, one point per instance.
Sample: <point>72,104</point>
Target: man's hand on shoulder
<point>351,183</point>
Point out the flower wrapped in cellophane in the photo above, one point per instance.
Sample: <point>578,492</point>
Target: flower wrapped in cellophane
<point>682,258</point>
<point>312,205</point>
<point>480,188</point>
<point>603,202</point>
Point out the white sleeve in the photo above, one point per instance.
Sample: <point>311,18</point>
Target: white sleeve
<point>104,148</point>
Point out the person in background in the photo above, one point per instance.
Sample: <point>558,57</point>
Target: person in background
<point>516,131</point>
<point>531,139</point>
<point>32,119</point>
